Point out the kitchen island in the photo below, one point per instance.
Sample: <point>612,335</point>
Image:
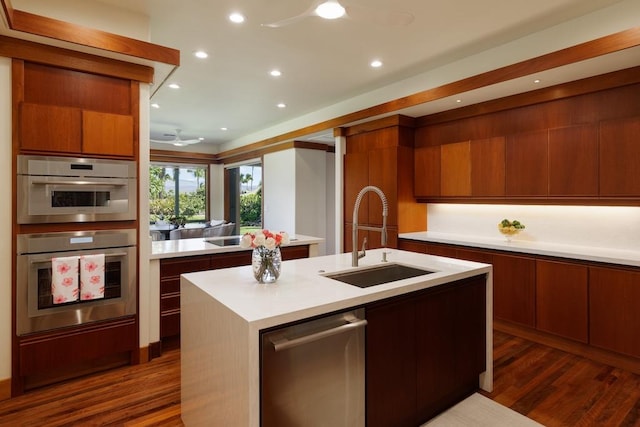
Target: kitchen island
<point>224,312</point>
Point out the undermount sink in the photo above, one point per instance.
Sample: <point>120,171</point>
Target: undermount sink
<point>365,277</point>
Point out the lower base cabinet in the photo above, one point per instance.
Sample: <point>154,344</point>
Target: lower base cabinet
<point>424,352</point>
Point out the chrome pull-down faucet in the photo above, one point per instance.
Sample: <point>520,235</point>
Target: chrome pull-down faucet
<point>356,255</point>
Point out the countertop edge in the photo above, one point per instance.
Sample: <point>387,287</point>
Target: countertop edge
<point>584,253</point>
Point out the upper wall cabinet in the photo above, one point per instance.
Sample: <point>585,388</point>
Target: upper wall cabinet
<point>581,149</point>
<point>620,157</point>
<point>75,113</point>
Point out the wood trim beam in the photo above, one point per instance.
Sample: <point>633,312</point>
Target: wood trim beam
<point>7,8</point>
<point>59,30</point>
<point>182,156</point>
<point>587,50</point>
<point>59,57</point>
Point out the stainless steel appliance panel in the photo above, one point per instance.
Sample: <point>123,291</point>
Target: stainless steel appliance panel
<point>65,189</point>
<point>35,310</point>
<point>312,374</point>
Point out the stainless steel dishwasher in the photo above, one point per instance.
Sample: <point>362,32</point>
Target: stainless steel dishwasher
<point>312,373</point>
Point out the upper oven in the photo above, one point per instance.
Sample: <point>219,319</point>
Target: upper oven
<point>65,189</point>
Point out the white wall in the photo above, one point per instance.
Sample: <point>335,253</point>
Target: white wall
<point>613,227</point>
<point>6,256</point>
<point>216,191</point>
<point>294,193</point>
<point>330,235</point>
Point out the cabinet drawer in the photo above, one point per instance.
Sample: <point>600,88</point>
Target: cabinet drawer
<point>169,324</point>
<point>233,259</point>
<point>169,286</point>
<point>175,267</point>
<point>170,302</point>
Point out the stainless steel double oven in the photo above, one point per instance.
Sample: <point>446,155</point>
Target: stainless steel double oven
<point>62,190</point>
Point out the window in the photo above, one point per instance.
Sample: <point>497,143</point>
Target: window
<point>244,190</point>
<point>178,193</point>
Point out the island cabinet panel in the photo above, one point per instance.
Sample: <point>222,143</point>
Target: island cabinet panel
<point>527,164</point>
<point>488,167</point>
<point>514,289</point>
<point>391,364</point>
<point>451,338</point>
<point>562,299</point>
<point>424,352</point>
<point>620,157</point>
<point>573,161</point>
<point>613,310</point>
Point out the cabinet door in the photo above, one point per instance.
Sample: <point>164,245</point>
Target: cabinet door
<point>514,289</point>
<point>561,299</point>
<point>104,133</point>
<point>441,250</point>
<point>527,167</point>
<point>450,344</point>
<point>455,169</point>
<point>356,177</point>
<point>488,167</point>
<point>427,171</point>
<point>573,161</point>
<point>50,128</point>
<point>383,173</point>
<point>620,157</point>
<point>614,317</point>
<point>391,364</point>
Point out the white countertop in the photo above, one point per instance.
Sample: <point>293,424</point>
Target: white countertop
<point>200,246</point>
<point>587,253</point>
<point>302,291</point>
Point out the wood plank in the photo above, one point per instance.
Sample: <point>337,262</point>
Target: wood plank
<point>543,383</point>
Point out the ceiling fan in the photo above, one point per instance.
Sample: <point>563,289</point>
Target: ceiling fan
<point>177,141</point>
<point>333,9</point>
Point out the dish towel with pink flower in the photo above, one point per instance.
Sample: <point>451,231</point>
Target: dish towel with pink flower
<point>64,280</point>
<point>91,277</point>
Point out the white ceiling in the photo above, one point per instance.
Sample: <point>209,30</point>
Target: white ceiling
<point>323,62</point>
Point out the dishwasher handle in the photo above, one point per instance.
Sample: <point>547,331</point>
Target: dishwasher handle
<point>352,323</point>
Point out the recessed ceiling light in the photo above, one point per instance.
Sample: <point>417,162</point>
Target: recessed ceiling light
<point>458,100</point>
<point>174,86</point>
<point>154,105</point>
<point>236,17</point>
<point>376,63</point>
<point>201,54</point>
<point>201,139</point>
<point>282,105</point>
<point>330,9</point>
<point>224,128</point>
<point>536,81</point>
<point>275,73</point>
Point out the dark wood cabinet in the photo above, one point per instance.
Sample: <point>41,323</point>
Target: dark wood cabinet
<point>579,304</point>
<point>562,299</point>
<point>527,164</point>
<point>455,169</point>
<point>424,352</point>
<point>620,157</point>
<point>70,112</point>
<point>381,154</point>
<point>573,161</point>
<point>427,172</point>
<point>614,316</point>
<point>514,289</point>
<point>488,167</point>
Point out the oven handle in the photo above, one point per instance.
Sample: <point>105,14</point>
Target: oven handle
<point>107,184</point>
<point>45,260</point>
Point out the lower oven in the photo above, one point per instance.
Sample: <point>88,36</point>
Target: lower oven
<point>53,265</point>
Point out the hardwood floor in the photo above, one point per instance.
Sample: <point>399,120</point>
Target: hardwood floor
<point>550,386</point>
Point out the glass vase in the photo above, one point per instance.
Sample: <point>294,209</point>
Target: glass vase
<point>266,264</point>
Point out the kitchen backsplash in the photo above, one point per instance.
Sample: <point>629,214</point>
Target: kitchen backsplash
<point>598,226</point>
